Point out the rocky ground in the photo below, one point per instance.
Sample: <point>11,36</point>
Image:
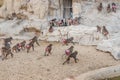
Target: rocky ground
<point>36,66</point>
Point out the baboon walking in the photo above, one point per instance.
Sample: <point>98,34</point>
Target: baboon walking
<point>5,52</point>
<point>73,55</point>
<point>22,45</point>
<point>105,32</point>
<point>28,46</point>
<point>35,39</point>
<point>6,40</point>
<point>108,8</point>
<point>48,50</point>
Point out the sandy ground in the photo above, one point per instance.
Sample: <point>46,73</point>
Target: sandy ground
<point>36,66</point>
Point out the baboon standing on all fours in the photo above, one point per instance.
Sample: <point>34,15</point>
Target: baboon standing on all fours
<point>22,45</point>
<point>28,46</point>
<point>73,55</point>
<point>5,52</point>
<point>69,40</point>
<point>35,39</point>
<point>69,50</point>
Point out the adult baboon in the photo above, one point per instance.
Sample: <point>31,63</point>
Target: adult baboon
<point>48,50</point>
<point>16,47</point>
<point>73,55</point>
<point>35,40</point>
<point>5,52</point>
<point>69,40</point>
<point>6,40</point>
<point>108,8</point>
<point>28,46</point>
<point>105,32</point>
<point>22,44</point>
<point>100,7</point>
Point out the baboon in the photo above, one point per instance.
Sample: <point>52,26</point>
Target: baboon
<point>69,40</point>
<point>114,7</point>
<point>105,32</point>
<point>22,45</point>
<point>28,46</point>
<point>14,14</point>
<point>35,39</point>
<point>98,29</point>
<point>5,52</point>
<point>73,55</point>
<point>69,50</point>
<point>48,50</point>
<point>108,8</point>
<point>100,7</point>
<point>6,40</point>
<point>50,29</point>
<point>16,48</point>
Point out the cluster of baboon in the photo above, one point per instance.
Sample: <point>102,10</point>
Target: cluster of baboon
<point>65,22</point>
<point>7,50</point>
<point>110,7</point>
<point>103,30</point>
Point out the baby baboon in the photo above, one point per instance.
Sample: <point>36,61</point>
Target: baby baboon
<point>105,32</point>
<point>28,46</point>
<point>48,50</point>
<point>100,7</point>
<point>73,55</point>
